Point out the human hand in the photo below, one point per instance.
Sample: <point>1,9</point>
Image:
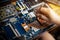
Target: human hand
<point>45,36</point>
<point>50,14</point>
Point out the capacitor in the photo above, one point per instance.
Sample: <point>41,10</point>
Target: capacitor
<point>25,27</point>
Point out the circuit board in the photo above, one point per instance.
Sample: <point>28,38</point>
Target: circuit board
<point>21,20</point>
<point>7,11</point>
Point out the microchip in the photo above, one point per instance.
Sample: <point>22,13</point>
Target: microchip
<point>31,14</point>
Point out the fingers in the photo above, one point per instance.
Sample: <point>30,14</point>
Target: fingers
<point>47,36</point>
<point>45,11</point>
<point>37,10</point>
<point>42,10</point>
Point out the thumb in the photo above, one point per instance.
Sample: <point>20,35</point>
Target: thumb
<point>45,11</point>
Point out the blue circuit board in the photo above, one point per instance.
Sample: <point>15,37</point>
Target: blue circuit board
<point>18,30</point>
<point>18,21</point>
